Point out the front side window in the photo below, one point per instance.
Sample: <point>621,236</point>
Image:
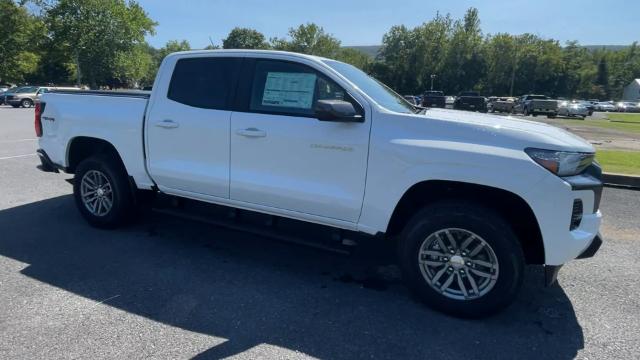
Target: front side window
<point>379,92</point>
<point>290,89</point>
<point>204,82</point>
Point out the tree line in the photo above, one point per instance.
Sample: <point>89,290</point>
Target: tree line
<point>102,42</point>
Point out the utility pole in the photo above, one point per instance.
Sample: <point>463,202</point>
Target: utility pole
<point>433,76</point>
<point>513,70</point>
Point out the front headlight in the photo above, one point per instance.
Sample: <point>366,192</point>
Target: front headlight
<point>561,163</point>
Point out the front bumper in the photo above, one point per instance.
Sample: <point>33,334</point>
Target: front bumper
<point>551,271</point>
<point>553,201</point>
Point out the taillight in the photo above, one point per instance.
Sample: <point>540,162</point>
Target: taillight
<point>38,120</point>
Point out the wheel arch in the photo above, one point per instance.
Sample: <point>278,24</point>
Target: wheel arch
<point>511,206</point>
<point>83,147</point>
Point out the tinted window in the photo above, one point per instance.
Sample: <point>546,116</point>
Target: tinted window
<point>289,88</point>
<point>204,82</point>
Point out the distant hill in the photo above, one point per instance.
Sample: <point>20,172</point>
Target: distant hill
<point>372,50</point>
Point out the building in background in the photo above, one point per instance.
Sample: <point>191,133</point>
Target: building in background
<point>632,91</point>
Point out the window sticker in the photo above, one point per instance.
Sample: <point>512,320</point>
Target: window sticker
<point>292,90</point>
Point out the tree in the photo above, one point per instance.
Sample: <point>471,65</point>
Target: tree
<point>96,33</point>
<point>354,57</point>
<point>244,38</point>
<point>19,36</point>
<point>157,55</point>
<point>132,67</point>
<point>309,39</point>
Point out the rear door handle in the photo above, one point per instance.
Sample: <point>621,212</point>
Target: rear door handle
<point>251,132</point>
<point>167,124</point>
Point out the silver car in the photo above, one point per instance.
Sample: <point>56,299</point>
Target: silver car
<point>627,106</point>
<point>605,106</point>
<point>569,109</point>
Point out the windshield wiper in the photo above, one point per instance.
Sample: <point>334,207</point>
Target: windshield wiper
<point>418,109</point>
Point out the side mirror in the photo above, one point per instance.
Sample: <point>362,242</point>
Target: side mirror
<point>337,110</point>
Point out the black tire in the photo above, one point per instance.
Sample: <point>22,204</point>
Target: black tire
<point>122,210</point>
<point>488,225</point>
<point>551,116</point>
<point>26,103</point>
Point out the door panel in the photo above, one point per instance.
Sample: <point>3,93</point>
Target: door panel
<point>188,130</point>
<point>189,148</point>
<point>294,161</point>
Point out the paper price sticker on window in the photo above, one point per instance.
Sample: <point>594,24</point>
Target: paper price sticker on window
<point>292,90</point>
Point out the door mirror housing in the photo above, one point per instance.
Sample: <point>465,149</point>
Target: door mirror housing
<point>337,110</point>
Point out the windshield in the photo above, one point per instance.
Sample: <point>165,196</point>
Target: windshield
<point>379,92</point>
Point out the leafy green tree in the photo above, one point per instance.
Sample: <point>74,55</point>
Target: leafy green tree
<point>354,57</point>
<point>244,38</point>
<point>308,39</point>
<point>170,47</point>
<point>19,37</point>
<point>132,67</point>
<point>96,34</point>
<point>398,47</point>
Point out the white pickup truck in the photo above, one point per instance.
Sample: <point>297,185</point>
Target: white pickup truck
<point>469,199</point>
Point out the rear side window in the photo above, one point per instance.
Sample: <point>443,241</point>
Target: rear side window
<point>206,83</point>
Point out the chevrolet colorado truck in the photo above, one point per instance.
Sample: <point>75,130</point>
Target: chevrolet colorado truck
<point>468,199</point>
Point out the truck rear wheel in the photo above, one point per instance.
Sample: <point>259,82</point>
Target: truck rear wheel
<point>102,192</point>
<point>462,259</point>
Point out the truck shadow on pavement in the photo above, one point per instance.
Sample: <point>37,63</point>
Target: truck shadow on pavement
<point>251,291</point>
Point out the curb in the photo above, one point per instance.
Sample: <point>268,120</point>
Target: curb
<point>612,179</point>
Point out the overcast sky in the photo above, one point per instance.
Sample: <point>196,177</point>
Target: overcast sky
<point>363,22</point>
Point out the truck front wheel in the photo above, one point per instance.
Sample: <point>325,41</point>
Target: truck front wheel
<point>102,193</point>
<point>462,259</point>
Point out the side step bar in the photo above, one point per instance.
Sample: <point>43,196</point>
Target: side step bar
<point>267,225</point>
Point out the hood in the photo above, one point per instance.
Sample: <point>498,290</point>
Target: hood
<point>514,132</point>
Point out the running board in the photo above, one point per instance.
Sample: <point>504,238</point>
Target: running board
<point>281,229</point>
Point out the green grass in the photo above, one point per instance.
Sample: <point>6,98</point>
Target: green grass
<point>629,123</point>
<point>622,162</point>
<point>625,118</point>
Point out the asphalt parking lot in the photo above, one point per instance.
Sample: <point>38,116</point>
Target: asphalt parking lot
<point>171,288</point>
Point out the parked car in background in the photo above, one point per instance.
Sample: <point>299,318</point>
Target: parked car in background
<point>571,109</point>
<point>411,99</point>
<point>449,101</point>
<point>4,94</point>
<point>605,106</point>
<point>586,103</point>
<point>470,101</point>
<point>501,104</point>
<point>536,105</point>
<point>5,87</point>
<point>467,199</point>
<point>27,96</point>
<point>434,98</point>
<point>627,106</point>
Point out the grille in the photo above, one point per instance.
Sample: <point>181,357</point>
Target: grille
<point>576,214</point>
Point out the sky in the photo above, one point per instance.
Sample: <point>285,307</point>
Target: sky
<point>363,22</point>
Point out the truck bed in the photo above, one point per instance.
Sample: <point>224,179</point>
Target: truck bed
<point>113,116</point>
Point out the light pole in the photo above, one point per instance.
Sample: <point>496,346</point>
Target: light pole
<point>433,76</point>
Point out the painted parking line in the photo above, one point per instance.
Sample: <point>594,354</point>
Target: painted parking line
<point>16,141</point>
<point>16,156</point>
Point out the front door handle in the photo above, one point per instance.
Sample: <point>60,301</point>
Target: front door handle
<point>251,132</point>
<point>167,124</point>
